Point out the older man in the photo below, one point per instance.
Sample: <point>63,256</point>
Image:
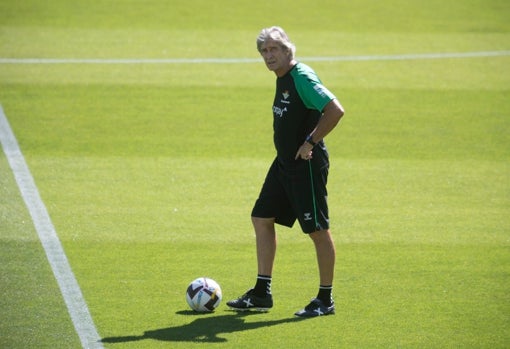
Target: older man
<point>304,112</point>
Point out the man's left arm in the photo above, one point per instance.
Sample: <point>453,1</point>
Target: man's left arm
<point>332,113</point>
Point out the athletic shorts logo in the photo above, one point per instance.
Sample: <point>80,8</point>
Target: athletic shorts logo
<point>308,216</point>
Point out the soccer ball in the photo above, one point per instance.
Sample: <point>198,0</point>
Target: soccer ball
<point>203,295</point>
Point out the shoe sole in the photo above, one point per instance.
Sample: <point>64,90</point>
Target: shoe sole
<point>311,316</point>
<point>260,310</point>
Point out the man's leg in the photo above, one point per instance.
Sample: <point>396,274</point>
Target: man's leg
<point>325,249</point>
<point>265,235</point>
<point>323,304</point>
<point>259,297</point>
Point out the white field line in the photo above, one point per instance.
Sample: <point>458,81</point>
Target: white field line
<point>66,280</point>
<point>417,56</point>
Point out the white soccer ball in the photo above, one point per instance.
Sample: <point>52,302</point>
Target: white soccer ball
<point>203,295</point>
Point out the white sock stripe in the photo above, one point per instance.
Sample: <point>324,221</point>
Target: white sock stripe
<point>264,278</point>
<point>326,287</point>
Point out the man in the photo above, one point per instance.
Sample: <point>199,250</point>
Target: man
<point>304,112</point>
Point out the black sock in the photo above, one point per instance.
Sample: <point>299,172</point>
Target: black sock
<point>325,295</point>
<point>263,286</point>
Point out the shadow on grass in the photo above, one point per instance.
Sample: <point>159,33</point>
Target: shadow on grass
<point>205,328</point>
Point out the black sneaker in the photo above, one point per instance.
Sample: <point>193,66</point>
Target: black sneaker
<point>249,301</point>
<point>316,308</point>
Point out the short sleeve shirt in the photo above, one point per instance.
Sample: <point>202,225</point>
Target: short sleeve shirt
<point>298,104</point>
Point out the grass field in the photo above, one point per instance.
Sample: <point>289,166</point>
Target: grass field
<point>149,171</point>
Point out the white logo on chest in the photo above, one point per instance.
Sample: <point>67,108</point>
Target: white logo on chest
<point>278,111</point>
<point>285,95</point>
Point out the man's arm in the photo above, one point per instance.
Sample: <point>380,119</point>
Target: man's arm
<point>332,113</point>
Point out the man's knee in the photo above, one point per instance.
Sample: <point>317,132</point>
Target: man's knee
<point>263,225</point>
<point>321,236</point>
<point>258,221</point>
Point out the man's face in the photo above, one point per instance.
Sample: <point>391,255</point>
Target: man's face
<point>276,59</point>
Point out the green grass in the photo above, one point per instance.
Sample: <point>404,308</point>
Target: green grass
<point>149,173</point>
<point>32,315</point>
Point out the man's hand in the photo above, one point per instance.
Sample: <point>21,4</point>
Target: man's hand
<point>305,151</point>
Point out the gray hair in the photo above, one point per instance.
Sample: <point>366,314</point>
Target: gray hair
<point>277,34</point>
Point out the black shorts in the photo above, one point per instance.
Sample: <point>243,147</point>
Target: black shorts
<point>296,191</point>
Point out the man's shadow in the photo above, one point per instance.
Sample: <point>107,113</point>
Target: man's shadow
<point>205,328</point>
